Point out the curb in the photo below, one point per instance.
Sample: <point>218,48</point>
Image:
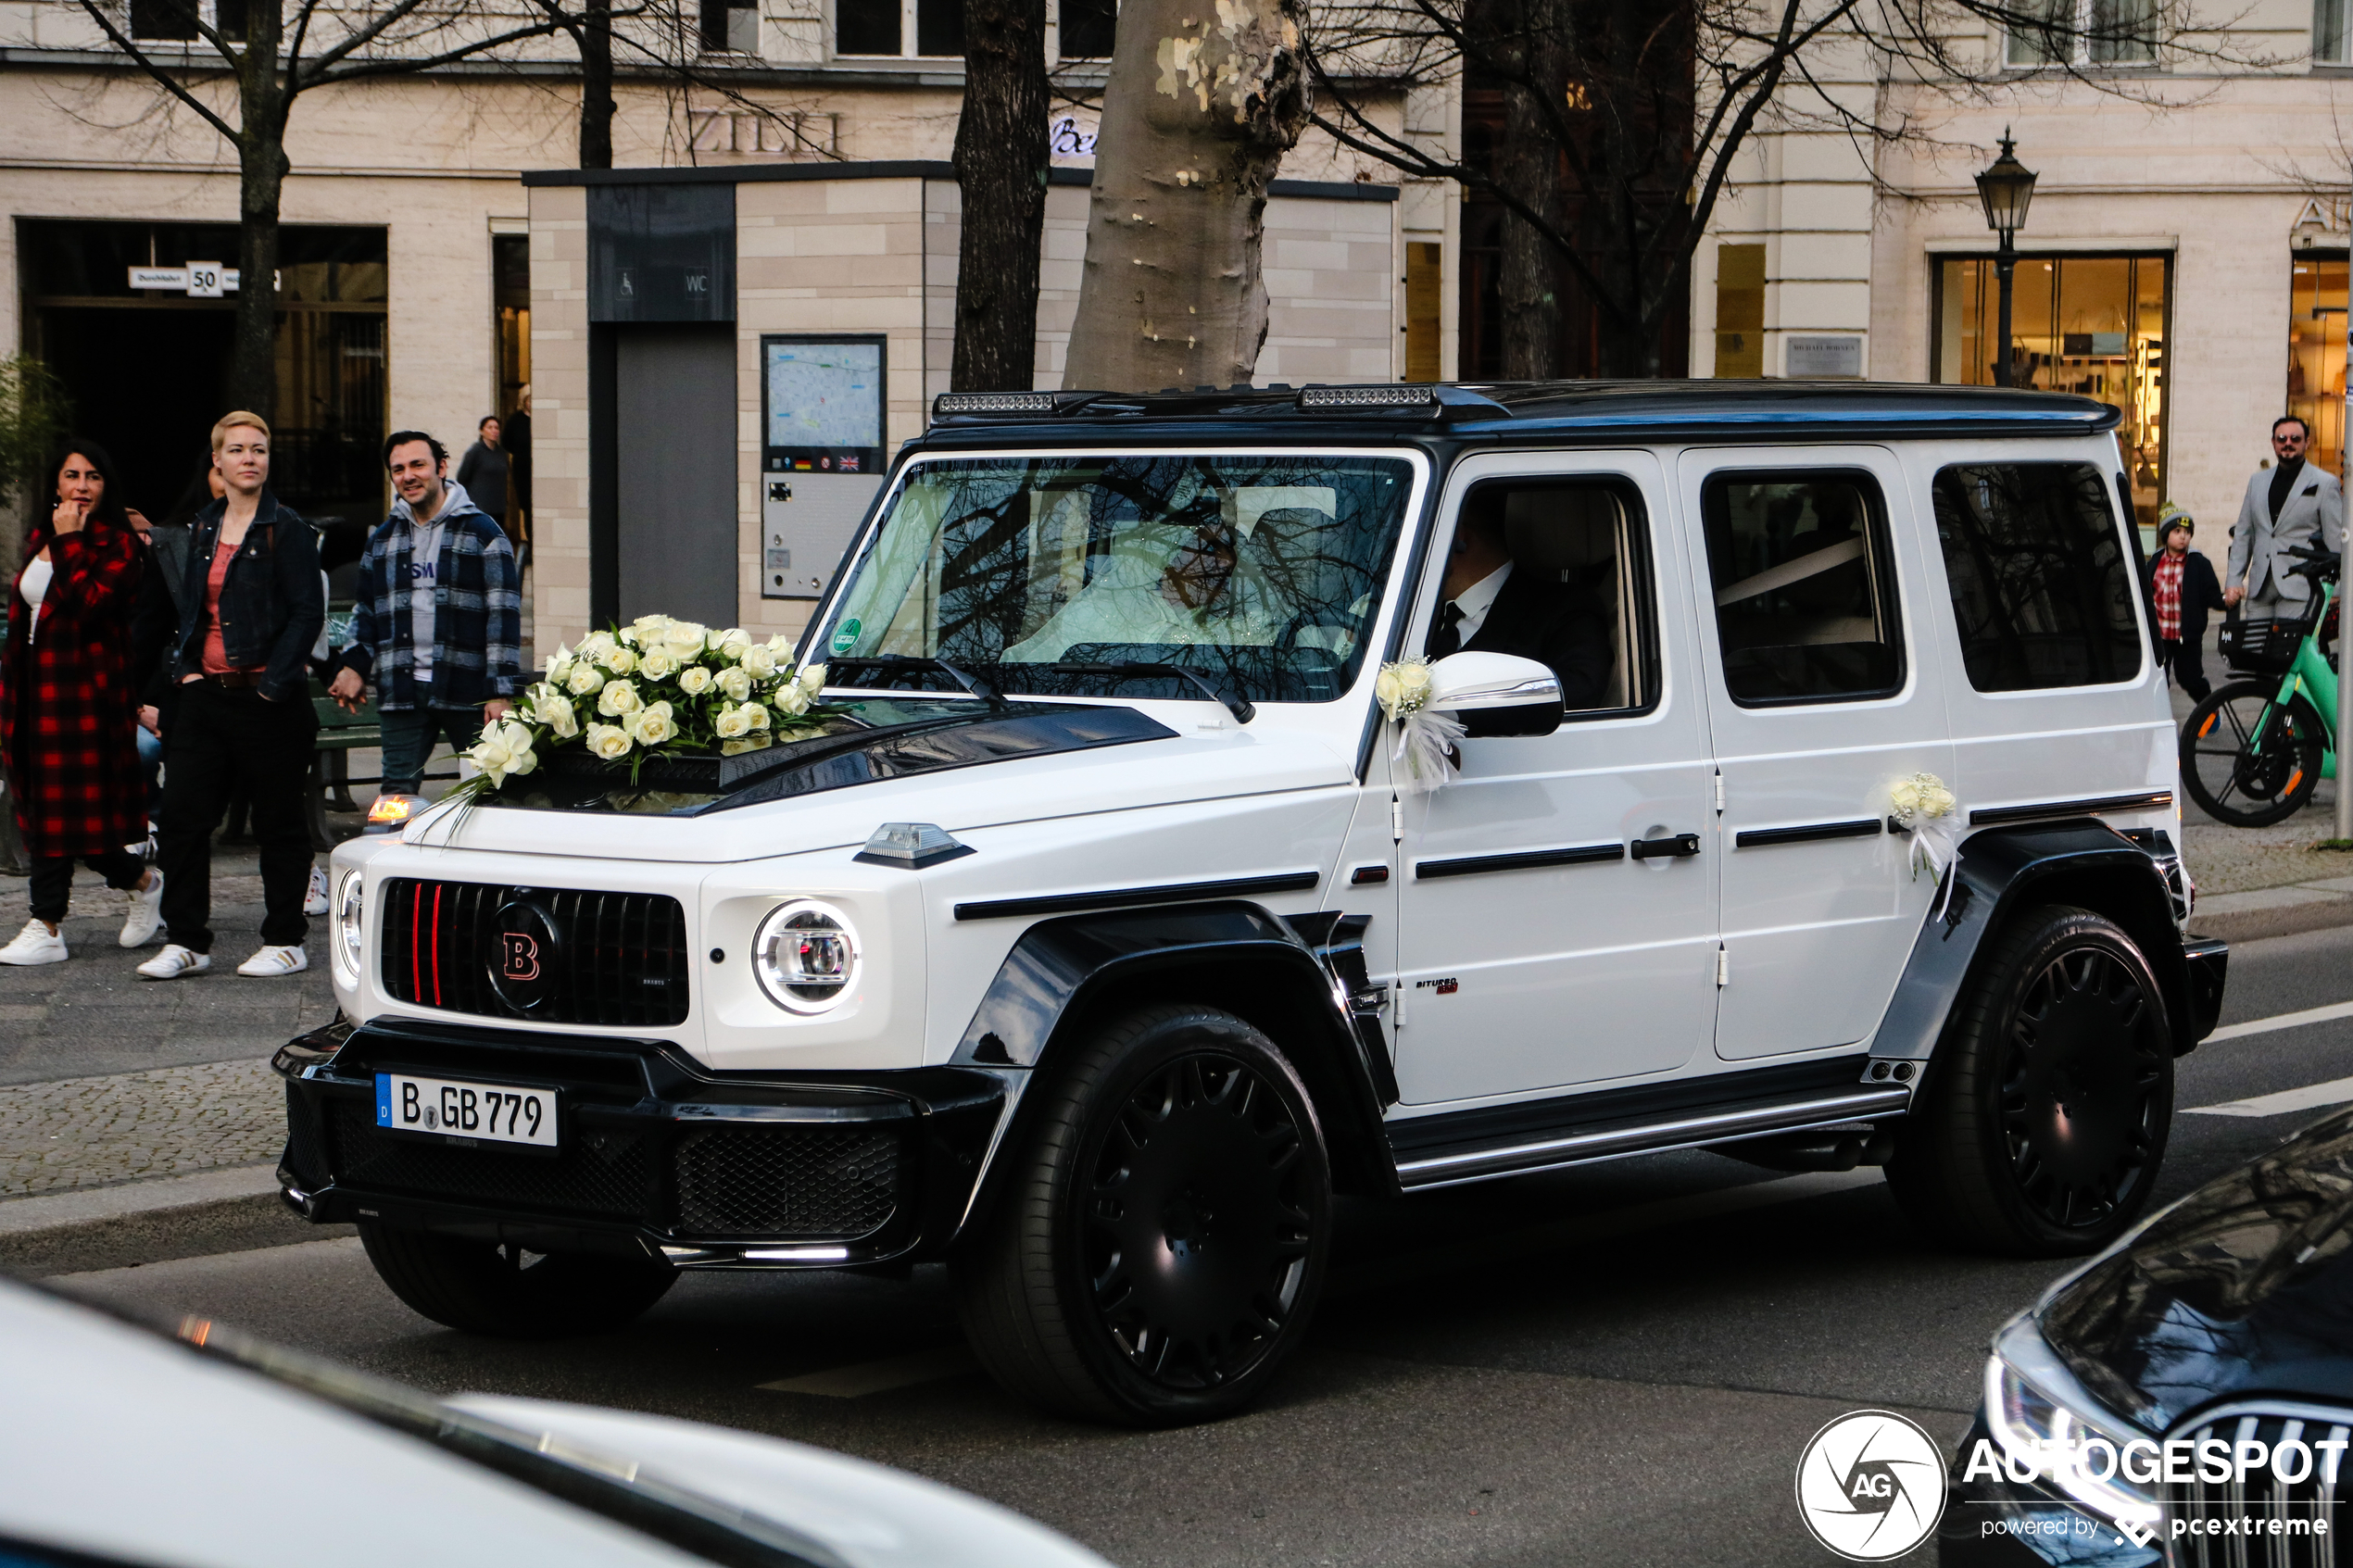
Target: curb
<point>2277,912</point>
<point>81,1206</point>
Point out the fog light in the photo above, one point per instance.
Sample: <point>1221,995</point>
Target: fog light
<point>806,956</point>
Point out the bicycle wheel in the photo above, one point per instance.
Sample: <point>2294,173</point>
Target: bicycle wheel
<point>2245,760</point>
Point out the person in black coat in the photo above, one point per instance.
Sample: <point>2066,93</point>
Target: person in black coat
<point>1492,606</point>
<point>2181,588</point>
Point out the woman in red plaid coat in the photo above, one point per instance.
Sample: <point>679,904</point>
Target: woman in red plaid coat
<point>68,710</point>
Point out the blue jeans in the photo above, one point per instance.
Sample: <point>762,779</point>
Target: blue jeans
<point>409,735</point>
<point>151,763</point>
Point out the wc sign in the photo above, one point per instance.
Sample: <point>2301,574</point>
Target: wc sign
<point>197,280</point>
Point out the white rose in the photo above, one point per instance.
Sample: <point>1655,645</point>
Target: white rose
<point>779,645</point>
<point>682,640</point>
<point>791,701</point>
<point>652,726</point>
<point>731,724</point>
<point>755,716</point>
<point>595,646</point>
<point>617,698</point>
<point>650,623</point>
<point>557,714</point>
<point>620,661</point>
<point>759,661</point>
<point>734,683</point>
<point>694,680</point>
<point>812,678</point>
<point>1386,687</point>
<point>491,758</point>
<point>730,642</point>
<point>608,741</point>
<point>1903,797</point>
<point>656,665</point>
<point>629,635</point>
<point>584,679</point>
<point>557,661</point>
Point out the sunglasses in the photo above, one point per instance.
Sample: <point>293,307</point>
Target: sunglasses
<point>2287,441</point>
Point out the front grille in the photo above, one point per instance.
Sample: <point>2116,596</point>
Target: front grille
<point>838,1182</point>
<point>620,959</point>
<point>2302,1504</point>
<point>600,1173</point>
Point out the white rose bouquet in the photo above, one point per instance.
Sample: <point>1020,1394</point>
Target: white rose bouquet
<point>656,688</point>
<point>1921,805</point>
<point>1425,738</point>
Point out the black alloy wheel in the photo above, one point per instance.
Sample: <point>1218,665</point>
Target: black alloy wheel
<point>2248,761</point>
<point>1161,1243</point>
<point>2044,1122</point>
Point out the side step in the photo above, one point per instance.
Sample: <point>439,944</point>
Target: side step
<point>1443,1151</point>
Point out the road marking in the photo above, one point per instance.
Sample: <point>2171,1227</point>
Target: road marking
<point>2283,1021</point>
<point>2311,1096</point>
<point>880,1377</point>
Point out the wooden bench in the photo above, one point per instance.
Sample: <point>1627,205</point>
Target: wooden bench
<point>340,734</point>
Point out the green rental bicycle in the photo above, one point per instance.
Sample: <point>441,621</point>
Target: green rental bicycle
<point>2255,750</point>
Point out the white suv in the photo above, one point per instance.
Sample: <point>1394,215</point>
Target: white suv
<point>1112,933</point>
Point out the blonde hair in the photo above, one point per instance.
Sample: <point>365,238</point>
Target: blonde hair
<point>230,421</point>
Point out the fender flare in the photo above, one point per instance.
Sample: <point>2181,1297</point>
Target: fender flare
<point>2001,871</point>
<point>1305,975</point>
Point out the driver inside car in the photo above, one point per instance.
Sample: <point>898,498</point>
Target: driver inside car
<point>1492,608</point>
<point>1162,584</point>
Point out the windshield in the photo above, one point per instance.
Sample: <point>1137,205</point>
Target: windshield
<point>1057,576</point>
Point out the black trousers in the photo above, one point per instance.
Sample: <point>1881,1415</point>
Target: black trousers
<point>220,740</point>
<point>53,879</point>
<point>2186,658</point>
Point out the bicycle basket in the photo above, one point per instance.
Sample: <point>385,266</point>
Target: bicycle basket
<point>2260,648</point>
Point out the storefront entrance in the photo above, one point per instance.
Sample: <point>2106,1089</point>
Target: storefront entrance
<point>2316,353</point>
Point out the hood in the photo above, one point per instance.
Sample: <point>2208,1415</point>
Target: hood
<point>2243,1287</point>
<point>961,765</point>
<point>458,504</point>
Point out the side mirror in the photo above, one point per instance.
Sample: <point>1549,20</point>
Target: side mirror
<point>1497,694</point>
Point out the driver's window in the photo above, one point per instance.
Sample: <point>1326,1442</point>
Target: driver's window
<point>1556,571</point>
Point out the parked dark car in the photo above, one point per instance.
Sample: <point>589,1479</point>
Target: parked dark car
<point>2205,1364</point>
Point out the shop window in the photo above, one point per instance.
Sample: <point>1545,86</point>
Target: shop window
<point>1740,311</point>
<point>933,27</point>
<point>2088,324</point>
<point>2316,353</point>
<point>730,28</point>
<point>2042,591</point>
<point>1805,599</point>
<point>1424,269</point>
<point>2083,33</point>
<point>1086,28</point>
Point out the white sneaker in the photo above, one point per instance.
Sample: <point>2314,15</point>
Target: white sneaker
<point>315,903</point>
<point>144,917</point>
<point>269,963</point>
<point>175,962</point>
<point>35,944</point>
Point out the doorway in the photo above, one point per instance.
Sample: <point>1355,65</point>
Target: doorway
<point>674,471</point>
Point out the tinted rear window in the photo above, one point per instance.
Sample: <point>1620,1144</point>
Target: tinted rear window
<point>2042,586</point>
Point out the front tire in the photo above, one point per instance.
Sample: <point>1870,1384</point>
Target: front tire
<point>500,1289</point>
<point>2245,760</point>
<point>1164,1235</point>
<point>2042,1124</point>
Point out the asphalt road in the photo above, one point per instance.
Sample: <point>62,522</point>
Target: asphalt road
<point>1616,1365</point>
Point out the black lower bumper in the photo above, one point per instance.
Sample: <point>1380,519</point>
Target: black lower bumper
<point>762,1170</point>
<point>2209,960</point>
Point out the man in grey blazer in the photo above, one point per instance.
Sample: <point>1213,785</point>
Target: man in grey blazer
<point>2286,505</point>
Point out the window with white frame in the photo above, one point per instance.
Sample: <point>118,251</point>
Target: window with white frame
<point>2328,32</point>
<point>2084,33</point>
<point>729,27</point>
<point>908,29</point>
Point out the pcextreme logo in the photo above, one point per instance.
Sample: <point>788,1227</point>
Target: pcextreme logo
<point>1871,1485</point>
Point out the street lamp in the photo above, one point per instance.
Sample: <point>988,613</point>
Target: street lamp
<point>2005,189</point>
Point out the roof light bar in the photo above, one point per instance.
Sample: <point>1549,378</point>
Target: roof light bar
<point>948,402</point>
<point>1408,397</point>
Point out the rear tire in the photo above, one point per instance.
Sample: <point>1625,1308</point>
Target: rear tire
<point>2042,1124</point>
<point>500,1289</point>
<point>2222,771</point>
<point>1159,1248</point>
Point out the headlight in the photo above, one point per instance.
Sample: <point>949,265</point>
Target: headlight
<point>2045,1423</point>
<point>349,907</point>
<point>806,955</point>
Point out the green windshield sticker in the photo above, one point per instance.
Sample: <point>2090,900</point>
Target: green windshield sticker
<point>846,635</point>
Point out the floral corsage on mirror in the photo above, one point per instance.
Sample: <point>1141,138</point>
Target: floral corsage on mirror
<point>1425,737</point>
<point>655,689</point>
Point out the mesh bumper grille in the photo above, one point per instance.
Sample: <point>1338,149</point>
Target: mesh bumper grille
<point>834,1182</point>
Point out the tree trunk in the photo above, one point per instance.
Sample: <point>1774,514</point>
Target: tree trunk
<point>261,181</point>
<point>1527,165</point>
<point>1203,103</point>
<point>594,40</point>
<point>1001,158</point>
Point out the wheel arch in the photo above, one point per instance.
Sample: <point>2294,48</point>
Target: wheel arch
<point>1297,981</point>
<point>2002,872</point>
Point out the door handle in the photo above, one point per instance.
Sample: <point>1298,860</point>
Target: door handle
<point>1673,847</point>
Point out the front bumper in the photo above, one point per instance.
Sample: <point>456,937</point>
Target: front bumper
<point>754,1169</point>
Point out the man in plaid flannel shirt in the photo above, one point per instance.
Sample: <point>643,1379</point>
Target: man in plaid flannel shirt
<point>438,619</point>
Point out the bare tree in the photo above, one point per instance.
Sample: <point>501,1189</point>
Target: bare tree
<point>1624,120</point>
<point>1001,158</point>
<point>276,60</point>
<point>1203,102</point>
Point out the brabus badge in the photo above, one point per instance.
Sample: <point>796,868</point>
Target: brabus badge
<point>520,959</point>
<point>524,953</point>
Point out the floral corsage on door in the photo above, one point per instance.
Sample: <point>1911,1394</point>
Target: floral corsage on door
<point>655,689</point>
<point>1425,737</point>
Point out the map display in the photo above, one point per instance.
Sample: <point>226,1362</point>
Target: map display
<point>823,396</point>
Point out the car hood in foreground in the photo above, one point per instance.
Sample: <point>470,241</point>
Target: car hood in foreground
<point>2243,1287</point>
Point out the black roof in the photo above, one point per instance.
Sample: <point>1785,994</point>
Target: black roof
<point>1581,413</point>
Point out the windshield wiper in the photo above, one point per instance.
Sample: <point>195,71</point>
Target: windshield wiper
<point>974,686</point>
<point>1242,708</point>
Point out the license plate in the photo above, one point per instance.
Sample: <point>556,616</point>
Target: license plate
<point>466,1112</point>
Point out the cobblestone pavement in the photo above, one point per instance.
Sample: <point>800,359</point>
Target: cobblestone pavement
<point>128,1126</point>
